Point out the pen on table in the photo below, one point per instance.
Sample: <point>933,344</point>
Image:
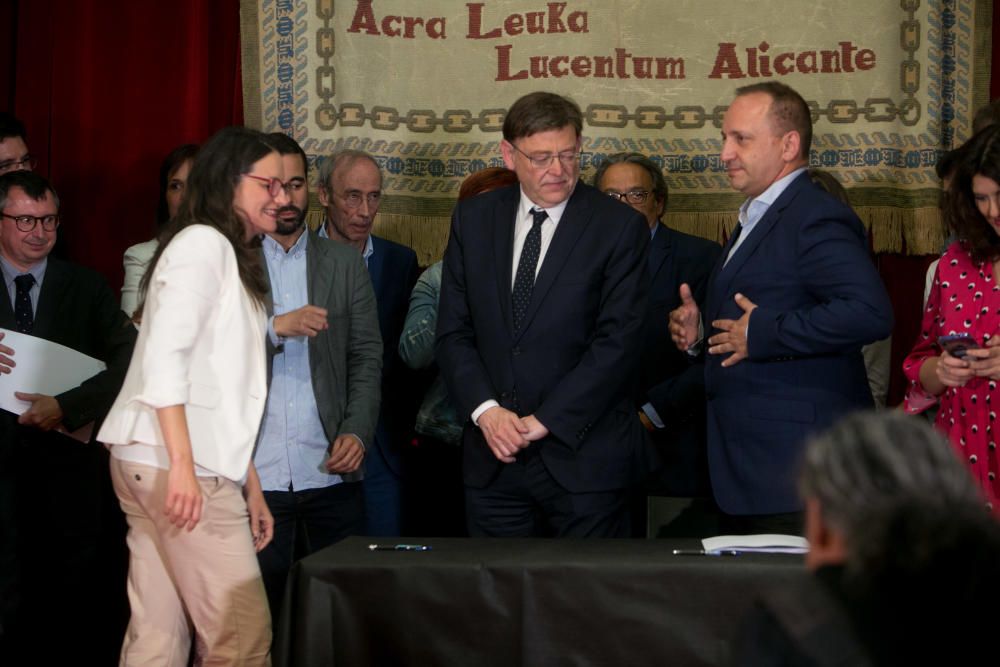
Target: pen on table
<point>702,552</point>
<point>398,547</point>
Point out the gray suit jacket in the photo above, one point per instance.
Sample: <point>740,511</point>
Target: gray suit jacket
<point>346,359</point>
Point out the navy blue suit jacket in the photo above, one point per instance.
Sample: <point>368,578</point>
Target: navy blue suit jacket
<point>393,270</point>
<point>672,381</point>
<point>819,299</point>
<point>573,362</point>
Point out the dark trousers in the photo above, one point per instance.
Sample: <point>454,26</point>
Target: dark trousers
<point>434,495</point>
<point>67,556</point>
<point>383,492</point>
<point>305,522</point>
<point>524,500</point>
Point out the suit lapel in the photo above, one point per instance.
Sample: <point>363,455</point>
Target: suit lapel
<point>6,310</point>
<point>318,282</point>
<point>759,233</point>
<point>659,253</point>
<point>376,263</point>
<point>49,299</point>
<point>574,220</point>
<point>504,218</point>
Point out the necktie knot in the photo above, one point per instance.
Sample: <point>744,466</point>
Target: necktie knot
<point>24,282</point>
<point>538,216</point>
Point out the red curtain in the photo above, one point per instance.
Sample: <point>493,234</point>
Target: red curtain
<point>106,88</point>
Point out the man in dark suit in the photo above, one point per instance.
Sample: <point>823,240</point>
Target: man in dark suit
<point>350,191</point>
<point>789,306</point>
<point>323,398</point>
<point>65,534</point>
<point>542,302</point>
<point>671,395</point>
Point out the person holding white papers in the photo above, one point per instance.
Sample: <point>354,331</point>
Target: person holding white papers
<point>60,532</point>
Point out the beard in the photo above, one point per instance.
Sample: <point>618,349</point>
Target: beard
<point>288,224</point>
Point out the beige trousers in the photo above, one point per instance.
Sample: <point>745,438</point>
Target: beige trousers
<point>207,578</point>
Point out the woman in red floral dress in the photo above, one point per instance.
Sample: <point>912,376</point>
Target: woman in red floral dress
<point>965,299</point>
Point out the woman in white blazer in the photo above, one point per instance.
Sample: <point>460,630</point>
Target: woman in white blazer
<point>182,430</point>
<point>174,172</point>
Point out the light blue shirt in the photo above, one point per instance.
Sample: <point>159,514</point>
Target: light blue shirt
<point>754,209</point>
<point>10,272</point>
<point>369,246</point>
<point>292,446</point>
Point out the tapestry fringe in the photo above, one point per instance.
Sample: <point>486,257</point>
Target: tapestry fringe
<point>894,230</point>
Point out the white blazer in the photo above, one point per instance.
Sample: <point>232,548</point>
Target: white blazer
<point>201,344</point>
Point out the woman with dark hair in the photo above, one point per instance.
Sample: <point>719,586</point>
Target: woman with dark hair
<point>174,172</point>
<point>956,359</point>
<point>183,427</point>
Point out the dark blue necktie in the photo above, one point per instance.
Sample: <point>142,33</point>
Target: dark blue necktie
<point>24,318</point>
<point>524,280</point>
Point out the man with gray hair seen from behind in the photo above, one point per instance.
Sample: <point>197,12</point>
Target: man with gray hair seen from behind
<point>903,558</point>
<point>350,191</point>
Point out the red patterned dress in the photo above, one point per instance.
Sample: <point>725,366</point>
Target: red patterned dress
<point>965,298</point>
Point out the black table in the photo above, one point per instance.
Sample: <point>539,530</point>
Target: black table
<point>519,602</point>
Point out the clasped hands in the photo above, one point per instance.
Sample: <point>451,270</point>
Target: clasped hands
<point>732,336</point>
<point>506,434</point>
<point>45,411</point>
<point>977,362</point>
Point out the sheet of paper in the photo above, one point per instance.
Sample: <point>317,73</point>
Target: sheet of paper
<point>43,367</point>
<point>763,543</point>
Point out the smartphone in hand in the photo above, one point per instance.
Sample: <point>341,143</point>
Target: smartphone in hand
<point>958,344</point>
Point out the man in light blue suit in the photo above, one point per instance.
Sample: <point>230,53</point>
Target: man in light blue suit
<point>350,191</point>
<point>788,307</point>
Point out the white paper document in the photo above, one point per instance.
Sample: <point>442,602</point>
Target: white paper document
<point>43,367</point>
<point>771,544</point>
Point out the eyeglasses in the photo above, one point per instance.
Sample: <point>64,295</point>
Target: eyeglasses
<point>354,199</point>
<point>27,163</point>
<point>274,186</point>
<point>543,161</point>
<point>26,223</point>
<point>632,196</point>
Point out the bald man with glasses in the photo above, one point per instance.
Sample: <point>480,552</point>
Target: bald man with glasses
<point>350,192</point>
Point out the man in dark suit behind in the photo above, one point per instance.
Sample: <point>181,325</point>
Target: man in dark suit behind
<point>350,191</point>
<point>789,306</point>
<point>542,302</point>
<point>67,549</point>
<point>670,398</point>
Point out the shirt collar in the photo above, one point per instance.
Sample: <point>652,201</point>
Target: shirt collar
<point>10,271</point>
<point>555,212</point>
<point>273,249</point>
<point>763,201</point>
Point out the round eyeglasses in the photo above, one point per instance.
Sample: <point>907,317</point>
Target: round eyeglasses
<point>26,223</point>
<point>632,196</point>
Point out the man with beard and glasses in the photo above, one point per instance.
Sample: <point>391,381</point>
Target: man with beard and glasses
<point>325,356</point>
